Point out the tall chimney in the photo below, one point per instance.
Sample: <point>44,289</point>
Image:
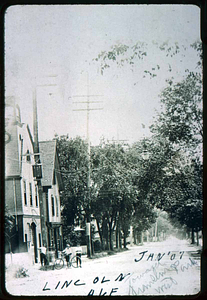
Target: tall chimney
<point>38,164</point>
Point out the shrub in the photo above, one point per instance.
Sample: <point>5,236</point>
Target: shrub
<point>21,272</point>
<point>46,268</point>
<point>97,246</point>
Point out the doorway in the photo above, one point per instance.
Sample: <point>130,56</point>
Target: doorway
<point>34,241</point>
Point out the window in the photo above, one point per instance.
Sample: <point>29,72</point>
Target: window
<point>37,171</point>
<point>28,156</point>
<point>30,194</point>
<point>53,205</point>
<point>25,237</point>
<point>57,207</point>
<point>36,195</point>
<point>25,193</point>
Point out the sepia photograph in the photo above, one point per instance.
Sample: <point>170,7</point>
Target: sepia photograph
<point>103,150</point>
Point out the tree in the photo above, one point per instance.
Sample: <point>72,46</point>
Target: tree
<point>118,193</point>
<point>185,191</point>
<point>180,124</point>
<point>170,180</point>
<point>9,228</point>
<point>135,56</point>
<point>180,120</point>
<point>121,195</point>
<point>73,159</point>
<point>112,201</point>
<point>166,180</point>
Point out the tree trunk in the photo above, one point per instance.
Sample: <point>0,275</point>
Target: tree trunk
<point>110,238</point>
<point>107,237</point>
<point>141,237</point>
<point>100,233</point>
<point>193,237</point>
<point>91,240</point>
<point>110,222</point>
<point>156,232</point>
<point>134,234</point>
<point>197,237</point>
<point>137,237</point>
<point>120,239</point>
<point>125,236</point>
<point>117,237</point>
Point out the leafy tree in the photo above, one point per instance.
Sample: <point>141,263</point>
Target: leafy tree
<point>180,120</point>
<point>166,180</point>
<point>180,124</point>
<point>9,228</point>
<point>114,195</point>
<point>185,191</point>
<point>120,200</point>
<point>118,192</point>
<point>136,55</point>
<point>73,160</point>
<point>170,180</point>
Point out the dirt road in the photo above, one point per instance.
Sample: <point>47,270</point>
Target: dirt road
<point>171,267</point>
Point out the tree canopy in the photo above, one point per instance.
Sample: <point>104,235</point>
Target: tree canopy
<point>125,189</point>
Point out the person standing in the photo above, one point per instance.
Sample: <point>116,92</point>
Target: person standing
<point>78,255</point>
<point>43,257</point>
<point>67,251</point>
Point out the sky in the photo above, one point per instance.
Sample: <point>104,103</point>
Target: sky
<point>50,52</point>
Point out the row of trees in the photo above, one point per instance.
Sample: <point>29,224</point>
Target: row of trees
<point>124,188</point>
<point>174,175</point>
<point>115,200</point>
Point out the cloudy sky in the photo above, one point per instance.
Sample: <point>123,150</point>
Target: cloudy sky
<point>50,51</point>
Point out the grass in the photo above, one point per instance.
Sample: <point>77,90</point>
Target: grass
<point>46,268</point>
<point>107,253</point>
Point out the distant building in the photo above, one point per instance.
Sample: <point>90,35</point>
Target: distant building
<point>21,188</point>
<point>52,185</point>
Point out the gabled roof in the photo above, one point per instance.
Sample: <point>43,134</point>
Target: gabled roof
<point>49,160</point>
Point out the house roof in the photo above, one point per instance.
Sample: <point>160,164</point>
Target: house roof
<point>49,160</point>
<point>14,148</point>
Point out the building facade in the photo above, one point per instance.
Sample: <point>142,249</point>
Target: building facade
<point>52,186</point>
<point>21,188</point>
<point>32,187</point>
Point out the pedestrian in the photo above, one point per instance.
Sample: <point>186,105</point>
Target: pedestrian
<point>43,257</point>
<point>67,251</point>
<point>78,254</point>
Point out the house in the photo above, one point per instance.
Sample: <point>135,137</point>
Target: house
<point>52,186</point>
<point>32,186</point>
<point>21,187</point>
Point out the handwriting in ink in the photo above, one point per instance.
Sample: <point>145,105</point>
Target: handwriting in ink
<point>159,256</point>
<point>65,284</point>
<point>168,282</point>
<point>113,290</point>
<point>156,276</point>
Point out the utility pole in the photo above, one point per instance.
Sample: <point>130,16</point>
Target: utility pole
<point>37,168</point>
<point>88,109</point>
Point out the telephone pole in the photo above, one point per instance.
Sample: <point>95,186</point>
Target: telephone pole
<point>88,109</point>
<point>37,168</point>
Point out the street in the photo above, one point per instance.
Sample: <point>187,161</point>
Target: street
<point>170,267</point>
